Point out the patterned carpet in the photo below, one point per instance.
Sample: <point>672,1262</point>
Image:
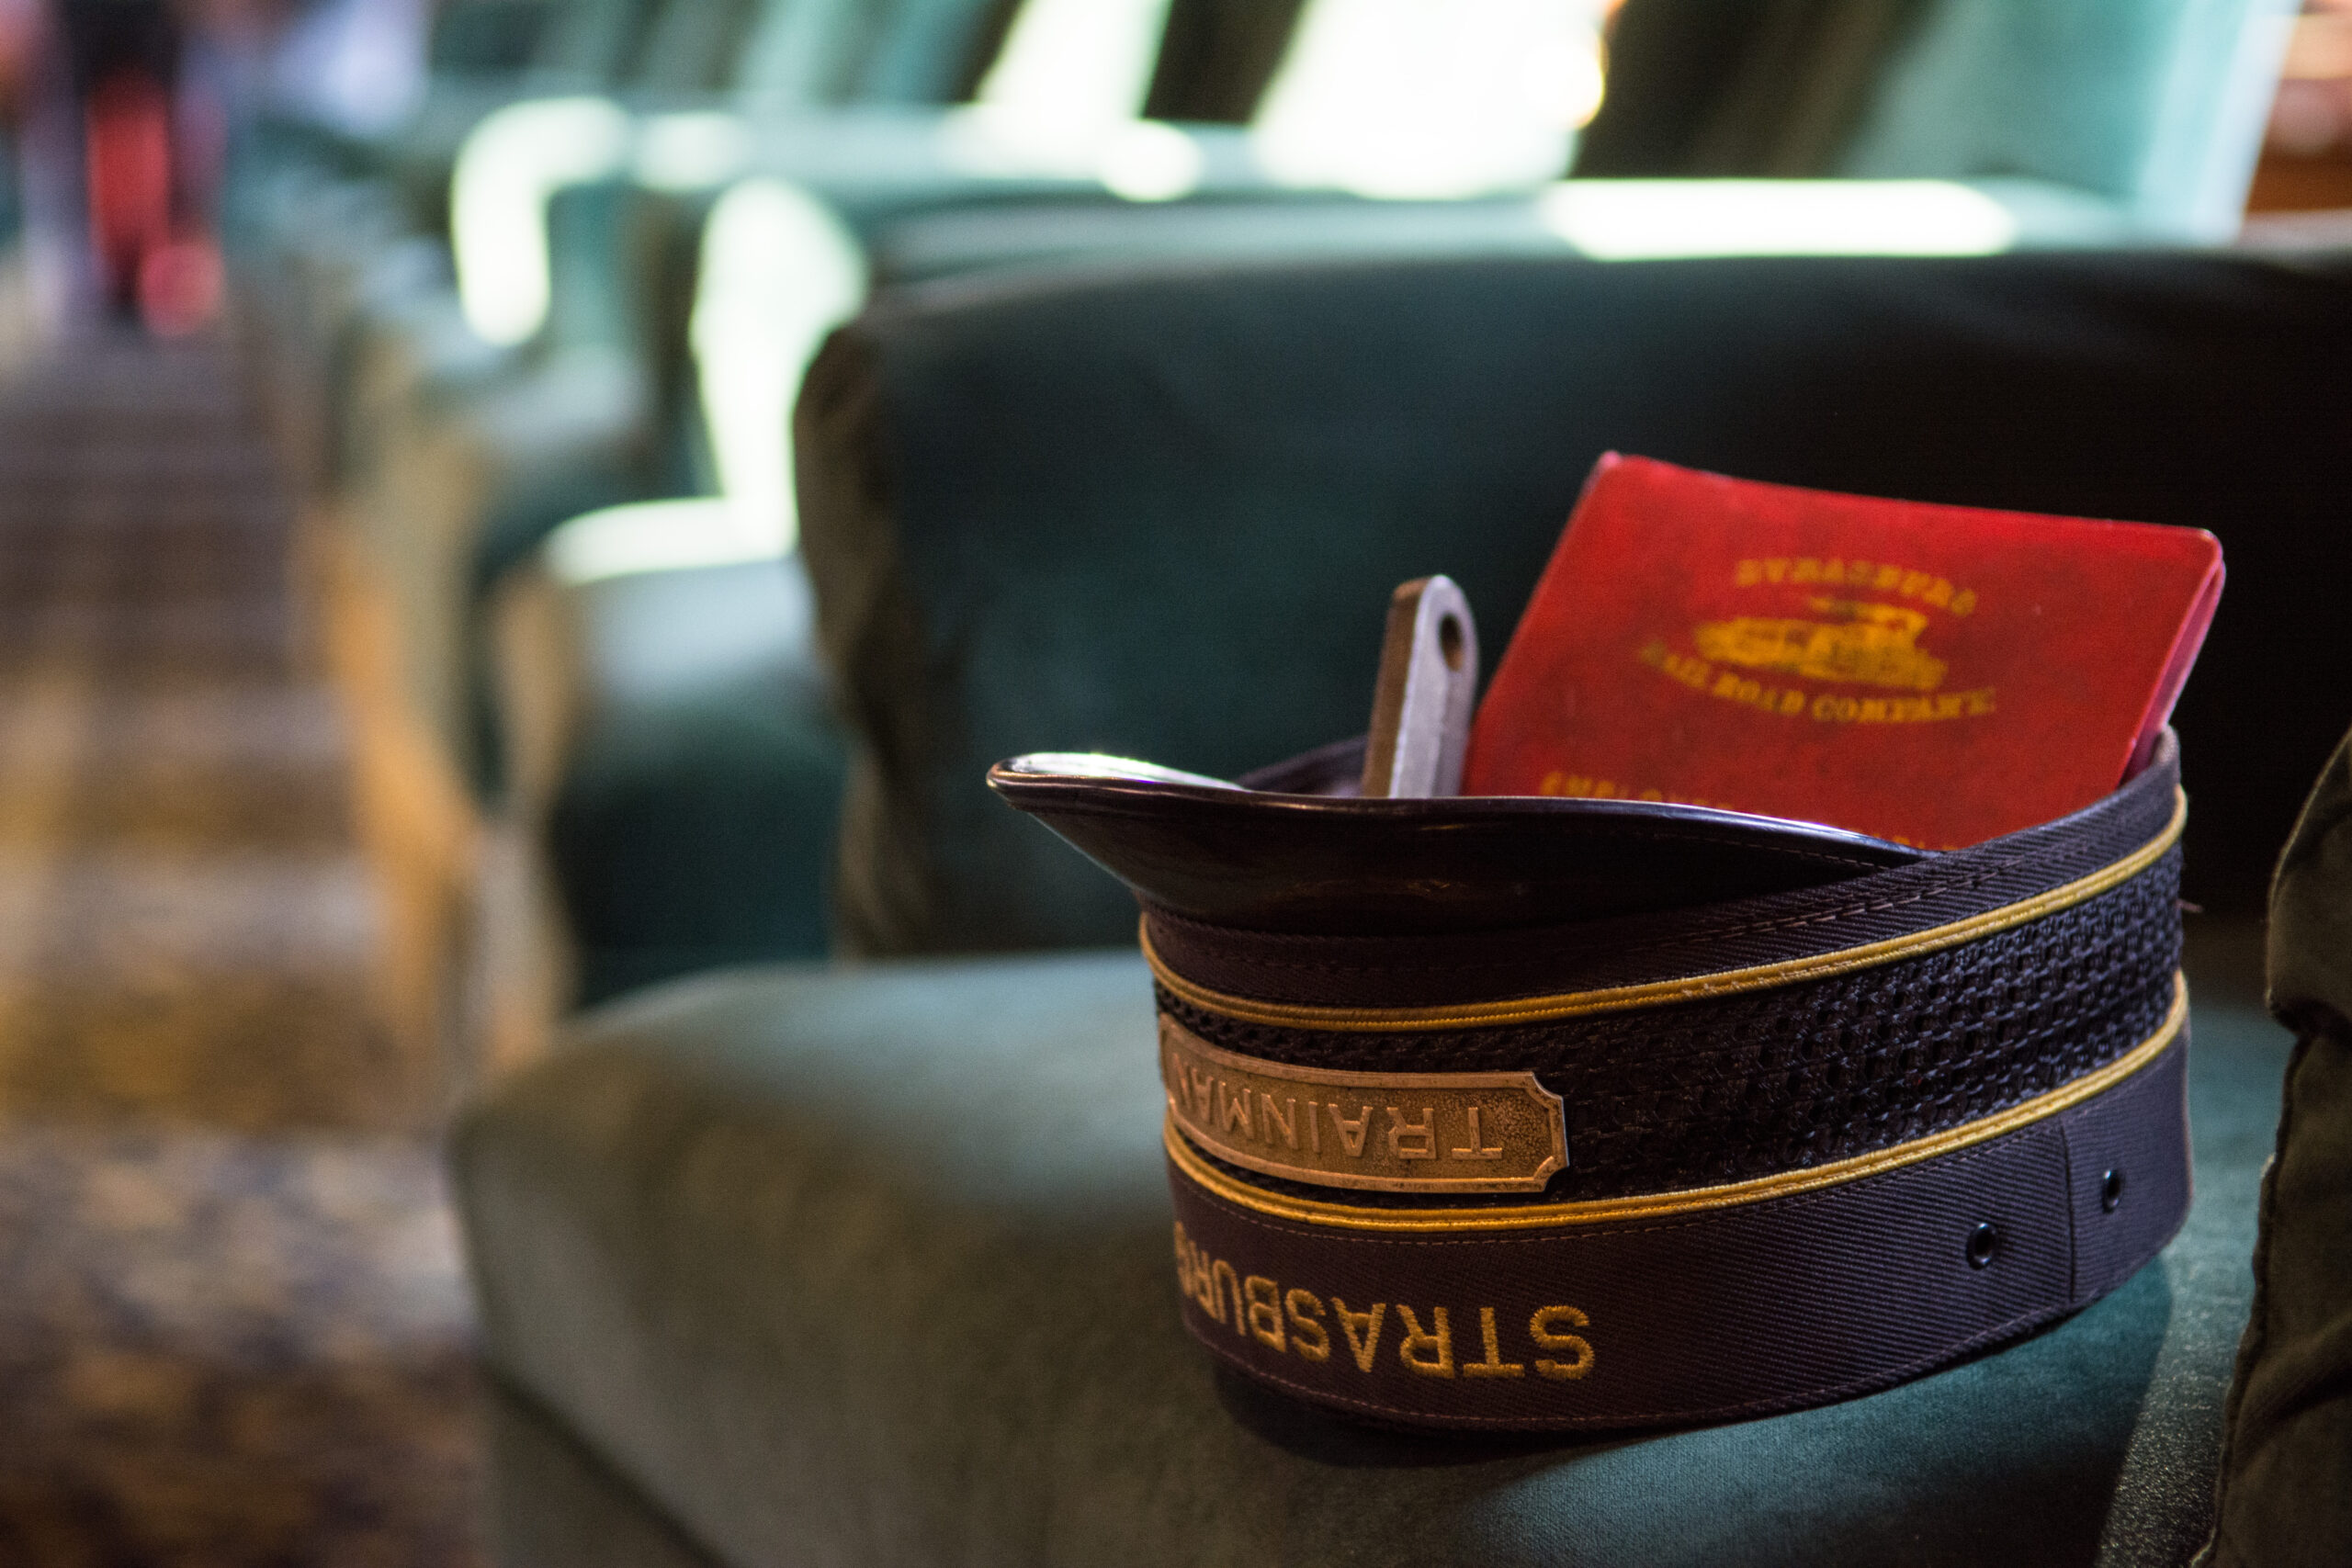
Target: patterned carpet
<point>233,1326</point>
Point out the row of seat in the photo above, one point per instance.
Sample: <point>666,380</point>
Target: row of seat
<point>444,447</point>
<point>691,250</point>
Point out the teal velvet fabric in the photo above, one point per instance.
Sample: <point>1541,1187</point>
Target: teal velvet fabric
<point>2149,103</point>
<point>1157,510</point>
<point>2119,96</point>
<point>552,1504</point>
<point>588,40</point>
<point>1217,58</point>
<point>486,37</point>
<point>694,827</point>
<point>872,1266</point>
<point>2289,1452</point>
<point>1768,88</point>
<point>930,51</point>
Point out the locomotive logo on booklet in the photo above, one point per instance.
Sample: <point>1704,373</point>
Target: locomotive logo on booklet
<point>1938,675</point>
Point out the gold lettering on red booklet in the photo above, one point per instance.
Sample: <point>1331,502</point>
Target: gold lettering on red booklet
<point>1936,675</point>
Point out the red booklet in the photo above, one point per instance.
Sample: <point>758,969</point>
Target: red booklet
<point>1933,674</point>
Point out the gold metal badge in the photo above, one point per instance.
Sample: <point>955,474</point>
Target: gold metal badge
<point>1383,1132</point>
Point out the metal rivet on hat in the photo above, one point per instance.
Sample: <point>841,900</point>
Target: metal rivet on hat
<point>2110,1190</point>
<point>1982,1242</point>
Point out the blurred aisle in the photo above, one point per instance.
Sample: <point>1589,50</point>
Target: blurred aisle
<point>233,1327</point>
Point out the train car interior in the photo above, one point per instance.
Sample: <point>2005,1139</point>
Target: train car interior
<point>552,550</point>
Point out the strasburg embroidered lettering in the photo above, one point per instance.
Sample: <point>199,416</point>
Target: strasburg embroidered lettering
<point>1305,1309</point>
<point>1224,1279</point>
<point>1193,1274</point>
<point>1265,1310</point>
<point>1544,1328</point>
<point>1430,1354</point>
<point>1297,1321</point>
<point>1361,1330</point>
<point>1494,1366</point>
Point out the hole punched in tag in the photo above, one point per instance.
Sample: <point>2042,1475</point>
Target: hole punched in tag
<point>1427,691</point>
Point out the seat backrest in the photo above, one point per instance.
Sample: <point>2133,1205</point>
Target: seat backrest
<point>1679,75</point>
<point>868,51</point>
<point>1217,57</point>
<point>695,45</point>
<point>487,37</point>
<point>2158,104</point>
<point>591,41</point>
<point>622,261</point>
<point>927,51</point>
<point>801,51</point>
<point>1160,512</point>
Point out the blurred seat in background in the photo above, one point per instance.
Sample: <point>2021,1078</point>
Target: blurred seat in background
<point>401,416</point>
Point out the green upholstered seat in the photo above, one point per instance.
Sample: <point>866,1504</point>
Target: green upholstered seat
<point>592,416</point>
<point>705,685</point>
<point>2149,104</point>
<point>1157,511</point>
<point>559,1503</point>
<point>873,1266</point>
